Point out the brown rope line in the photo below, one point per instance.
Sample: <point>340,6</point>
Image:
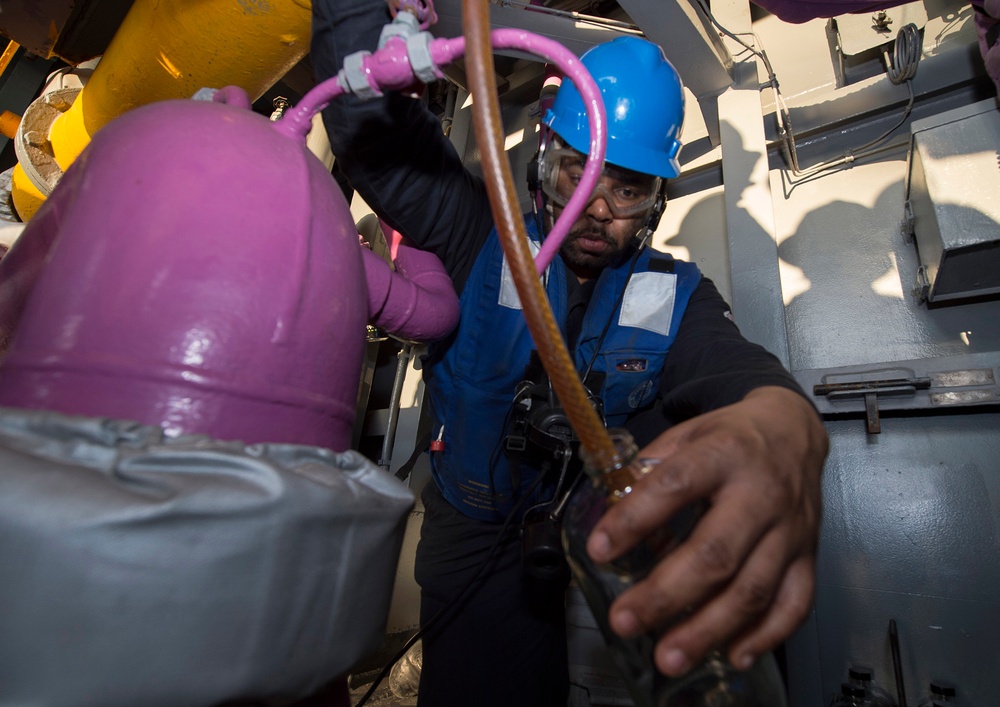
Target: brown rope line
<point>514,240</point>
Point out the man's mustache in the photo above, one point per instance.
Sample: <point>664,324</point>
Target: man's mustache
<point>596,234</point>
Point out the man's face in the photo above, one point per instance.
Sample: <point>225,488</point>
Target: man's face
<point>619,207</point>
<point>597,240</point>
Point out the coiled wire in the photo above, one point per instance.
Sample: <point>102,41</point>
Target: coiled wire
<point>902,65</point>
<point>900,68</point>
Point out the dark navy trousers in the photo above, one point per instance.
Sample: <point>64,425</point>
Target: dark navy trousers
<point>504,643</point>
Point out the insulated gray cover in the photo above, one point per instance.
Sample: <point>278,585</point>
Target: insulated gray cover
<point>141,570</point>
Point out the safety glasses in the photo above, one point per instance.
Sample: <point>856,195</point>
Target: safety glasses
<point>628,194</point>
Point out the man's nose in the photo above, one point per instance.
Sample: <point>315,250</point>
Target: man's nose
<point>598,207</point>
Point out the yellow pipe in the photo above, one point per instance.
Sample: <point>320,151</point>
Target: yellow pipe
<point>26,197</point>
<point>8,123</point>
<point>8,54</point>
<point>171,48</point>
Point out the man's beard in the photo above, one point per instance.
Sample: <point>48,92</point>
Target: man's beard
<point>586,262</point>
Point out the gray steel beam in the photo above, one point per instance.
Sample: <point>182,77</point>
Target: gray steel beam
<point>753,251</point>
<point>757,302</point>
<point>692,45</point>
<point>679,27</point>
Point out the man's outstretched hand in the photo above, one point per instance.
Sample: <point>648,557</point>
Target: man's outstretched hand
<point>746,573</point>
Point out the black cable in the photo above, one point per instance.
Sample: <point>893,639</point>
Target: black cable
<point>906,51</point>
<point>618,301</point>
<point>708,13</point>
<point>538,219</point>
<point>498,450</point>
<point>567,458</point>
<point>861,151</point>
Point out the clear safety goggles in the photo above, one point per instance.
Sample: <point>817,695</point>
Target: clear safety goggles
<point>627,193</point>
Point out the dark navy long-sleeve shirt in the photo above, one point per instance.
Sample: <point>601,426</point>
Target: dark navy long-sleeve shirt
<point>394,154</point>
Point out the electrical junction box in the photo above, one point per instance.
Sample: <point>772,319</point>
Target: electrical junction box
<point>952,202</point>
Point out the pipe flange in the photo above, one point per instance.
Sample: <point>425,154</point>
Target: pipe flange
<point>418,49</point>
<point>32,143</point>
<point>403,25</point>
<point>353,76</point>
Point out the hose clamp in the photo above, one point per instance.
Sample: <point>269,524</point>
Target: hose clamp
<point>418,49</point>
<point>353,76</point>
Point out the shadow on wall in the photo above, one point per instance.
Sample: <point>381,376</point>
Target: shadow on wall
<point>855,303</point>
<point>699,237</point>
<point>846,271</point>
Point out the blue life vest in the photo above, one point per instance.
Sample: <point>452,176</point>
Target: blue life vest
<point>471,377</point>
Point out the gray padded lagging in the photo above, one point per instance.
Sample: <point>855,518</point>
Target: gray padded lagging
<point>141,570</point>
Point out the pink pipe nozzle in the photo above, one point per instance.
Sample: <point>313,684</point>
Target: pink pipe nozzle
<point>390,68</point>
<point>196,270</point>
<point>415,302</point>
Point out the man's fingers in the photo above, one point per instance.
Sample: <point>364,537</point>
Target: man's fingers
<point>790,607</point>
<point>740,604</point>
<point>670,485</point>
<point>703,564</point>
<point>741,579</point>
<point>739,571</point>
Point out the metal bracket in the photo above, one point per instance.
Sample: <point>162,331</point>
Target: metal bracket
<point>869,385</point>
<point>907,226</point>
<point>922,286</point>
<point>923,384</point>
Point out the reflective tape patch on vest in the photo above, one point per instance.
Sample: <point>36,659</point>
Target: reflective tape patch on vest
<point>649,302</point>
<point>508,290</point>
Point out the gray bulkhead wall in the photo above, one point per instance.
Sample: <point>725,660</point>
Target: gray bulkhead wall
<point>910,515</point>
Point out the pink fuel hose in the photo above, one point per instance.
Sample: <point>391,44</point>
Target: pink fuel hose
<point>390,68</point>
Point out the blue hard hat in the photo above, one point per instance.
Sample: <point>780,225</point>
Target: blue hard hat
<point>644,101</point>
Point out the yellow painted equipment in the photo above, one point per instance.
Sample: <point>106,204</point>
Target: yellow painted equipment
<point>169,49</point>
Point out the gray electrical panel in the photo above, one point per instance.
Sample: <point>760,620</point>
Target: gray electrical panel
<point>953,211</point>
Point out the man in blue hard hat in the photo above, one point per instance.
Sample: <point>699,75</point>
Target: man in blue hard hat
<point>653,342</point>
